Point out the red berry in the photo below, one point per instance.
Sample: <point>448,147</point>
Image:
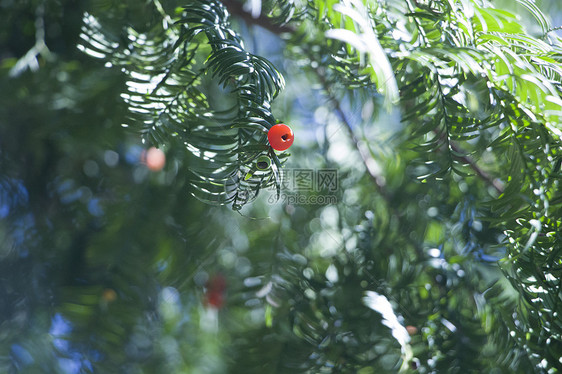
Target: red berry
<point>412,330</point>
<point>154,159</point>
<point>215,299</point>
<point>280,137</point>
<point>215,295</point>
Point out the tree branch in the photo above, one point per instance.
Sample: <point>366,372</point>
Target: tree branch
<point>235,8</point>
<point>367,159</point>
<point>497,185</point>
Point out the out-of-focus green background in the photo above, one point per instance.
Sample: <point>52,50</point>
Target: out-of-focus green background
<point>106,266</point>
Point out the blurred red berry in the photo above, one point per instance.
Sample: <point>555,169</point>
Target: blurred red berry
<point>412,330</point>
<point>215,294</point>
<point>154,159</point>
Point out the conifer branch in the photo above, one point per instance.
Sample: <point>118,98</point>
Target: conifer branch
<point>236,8</point>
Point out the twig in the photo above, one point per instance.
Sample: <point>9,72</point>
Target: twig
<point>550,30</point>
<point>29,60</point>
<point>497,185</point>
<point>367,159</point>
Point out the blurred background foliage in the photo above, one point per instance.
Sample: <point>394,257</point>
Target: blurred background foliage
<point>108,266</point>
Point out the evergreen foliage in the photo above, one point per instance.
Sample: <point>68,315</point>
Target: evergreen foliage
<point>442,253</point>
<point>191,81</point>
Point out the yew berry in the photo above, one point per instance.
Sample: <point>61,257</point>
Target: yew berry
<point>154,159</point>
<point>280,137</point>
<point>263,163</point>
<point>215,295</point>
<point>412,330</point>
